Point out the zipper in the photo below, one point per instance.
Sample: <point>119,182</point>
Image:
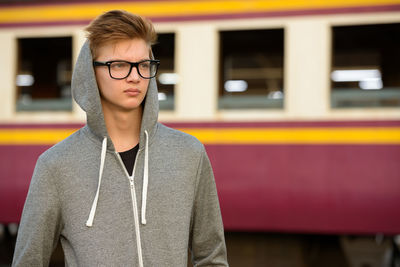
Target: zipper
<point>134,206</point>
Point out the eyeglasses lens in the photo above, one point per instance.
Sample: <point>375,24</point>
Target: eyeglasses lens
<point>120,70</point>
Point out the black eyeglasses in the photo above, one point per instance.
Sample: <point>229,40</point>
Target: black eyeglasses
<point>120,69</point>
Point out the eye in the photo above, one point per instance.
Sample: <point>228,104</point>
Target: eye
<point>119,65</point>
<point>144,65</point>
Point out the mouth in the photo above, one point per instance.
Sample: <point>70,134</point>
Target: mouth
<point>132,91</point>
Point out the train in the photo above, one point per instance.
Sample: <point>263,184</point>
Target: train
<point>297,103</point>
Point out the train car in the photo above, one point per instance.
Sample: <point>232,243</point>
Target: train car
<point>297,103</point>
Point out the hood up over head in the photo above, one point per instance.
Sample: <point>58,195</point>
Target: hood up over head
<point>86,94</point>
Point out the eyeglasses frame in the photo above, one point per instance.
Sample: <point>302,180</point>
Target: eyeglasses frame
<point>133,64</point>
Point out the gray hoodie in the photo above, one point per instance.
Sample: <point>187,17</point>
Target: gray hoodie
<point>81,193</point>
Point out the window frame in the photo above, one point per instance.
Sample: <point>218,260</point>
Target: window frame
<point>263,102</point>
<point>337,94</point>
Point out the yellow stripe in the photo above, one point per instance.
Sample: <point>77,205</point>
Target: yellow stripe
<point>297,135</point>
<point>362,135</point>
<point>33,136</point>
<point>77,12</point>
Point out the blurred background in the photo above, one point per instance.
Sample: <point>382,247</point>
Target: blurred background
<point>297,103</point>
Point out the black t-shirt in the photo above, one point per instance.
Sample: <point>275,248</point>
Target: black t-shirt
<point>128,158</point>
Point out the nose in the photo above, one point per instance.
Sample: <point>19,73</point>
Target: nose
<point>133,76</point>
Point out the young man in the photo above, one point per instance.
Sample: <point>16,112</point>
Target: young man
<point>124,190</point>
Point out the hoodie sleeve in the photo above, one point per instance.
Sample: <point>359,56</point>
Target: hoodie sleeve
<point>39,228</point>
<point>207,242</point>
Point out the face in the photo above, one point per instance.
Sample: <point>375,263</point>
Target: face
<point>126,94</point>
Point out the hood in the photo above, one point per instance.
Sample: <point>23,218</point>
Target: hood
<point>86,94</point>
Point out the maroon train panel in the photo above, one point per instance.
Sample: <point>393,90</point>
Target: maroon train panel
<point>309,188</point>
<point>288,188</point>
<point>16,167</point>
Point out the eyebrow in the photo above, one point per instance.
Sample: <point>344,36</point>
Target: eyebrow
<point>118,59</point>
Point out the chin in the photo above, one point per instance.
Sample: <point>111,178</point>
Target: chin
<point>132,106</point>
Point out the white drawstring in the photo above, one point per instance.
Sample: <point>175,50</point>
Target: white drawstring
<point>145,178</point>
<point>89,222</point>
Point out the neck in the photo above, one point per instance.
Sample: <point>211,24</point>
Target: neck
<point>123,126</point>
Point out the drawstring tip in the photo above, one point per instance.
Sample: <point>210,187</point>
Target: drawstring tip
<point>89,224</point>
<point>143,221</point>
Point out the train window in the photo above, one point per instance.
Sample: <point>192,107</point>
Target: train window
<point>164,50</point>
<point>365,66</point>
<point>251,69</point>
<point>44,74</point>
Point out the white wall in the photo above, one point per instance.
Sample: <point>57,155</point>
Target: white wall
<point>306,70</point>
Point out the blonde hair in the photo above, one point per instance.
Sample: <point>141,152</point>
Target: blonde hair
<point>118,25</point>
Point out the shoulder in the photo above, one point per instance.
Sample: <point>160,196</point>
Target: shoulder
<point>179,139</point>
<point>65,149</point>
